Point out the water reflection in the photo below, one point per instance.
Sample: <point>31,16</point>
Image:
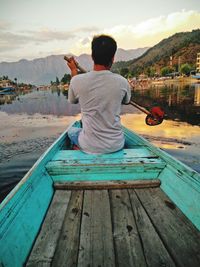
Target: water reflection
<point>180,101</point>
<point>197,95</point>
<point>168,130</point>
<point>7,98</point>
<point>53,101</point>
<point>177,138</point>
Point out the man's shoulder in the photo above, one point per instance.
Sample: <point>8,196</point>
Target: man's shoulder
<point>79,77</point>
<point>120,78</point>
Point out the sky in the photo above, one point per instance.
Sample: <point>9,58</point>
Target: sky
<point>38,28</point>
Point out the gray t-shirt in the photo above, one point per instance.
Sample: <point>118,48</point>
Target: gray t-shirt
<point>100,94</point>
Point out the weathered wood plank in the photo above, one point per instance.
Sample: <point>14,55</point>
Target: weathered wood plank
<point>126,161</point>
<point>128,248</point>
<point>40,264</point>
<point>45,245</point>
<point>104,185</point>
<point>184,191</point>
<point>78,156</point>
<point>179,236</point>
<point>67,249</point>
<point>96,242</point>
<point>155,252</point>
<point>108,175</point>
<point>140,167</point>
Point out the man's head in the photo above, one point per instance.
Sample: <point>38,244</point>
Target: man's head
<point>103,50</point>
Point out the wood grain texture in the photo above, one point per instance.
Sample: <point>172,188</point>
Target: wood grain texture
<point>155,252</point>
<point>45,245</point>
<point>179,236</point>
<point>96,242</point>
<point>128,248</point>
<point>103,185</point>
<point>67,249</point>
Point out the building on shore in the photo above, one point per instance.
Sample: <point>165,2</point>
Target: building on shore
<point>198,63</point>
<point>5,83</point>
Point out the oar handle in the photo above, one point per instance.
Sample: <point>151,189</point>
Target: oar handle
<point>77,65</point>
<point>140,108</point>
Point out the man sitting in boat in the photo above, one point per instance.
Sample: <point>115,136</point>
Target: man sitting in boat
<point>100,94</point>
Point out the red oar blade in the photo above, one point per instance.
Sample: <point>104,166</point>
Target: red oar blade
<point>157,112</point>
<point>155,117</point>
<point>152,121</point>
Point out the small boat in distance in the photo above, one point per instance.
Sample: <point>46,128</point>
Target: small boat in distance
<point>7,90</point>
<point>136,207</point>
<point>196,76</point>
<point>6,86</point>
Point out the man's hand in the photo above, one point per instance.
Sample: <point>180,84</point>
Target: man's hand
<point>73,66</point>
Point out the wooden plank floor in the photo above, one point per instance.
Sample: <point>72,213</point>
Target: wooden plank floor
<point>129,227</point>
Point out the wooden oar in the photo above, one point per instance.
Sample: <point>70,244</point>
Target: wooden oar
<point>154,117</point>
<point>77,65</point>
<point>140,108</point>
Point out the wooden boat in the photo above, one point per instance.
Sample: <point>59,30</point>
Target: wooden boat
<point>196,76</point>
<point>7,90</point>
<point>136,207</point>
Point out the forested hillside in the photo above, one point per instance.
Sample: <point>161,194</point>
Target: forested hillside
<point>179,49</point>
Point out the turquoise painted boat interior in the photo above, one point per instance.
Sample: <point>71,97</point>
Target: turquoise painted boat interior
<point>23,210</point>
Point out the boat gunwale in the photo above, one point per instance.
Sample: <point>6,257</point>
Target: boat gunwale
<point>171,161</point>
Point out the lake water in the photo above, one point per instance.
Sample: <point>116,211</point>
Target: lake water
<point>30,122</point>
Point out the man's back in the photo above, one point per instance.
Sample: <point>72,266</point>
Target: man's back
<point>100,94</point>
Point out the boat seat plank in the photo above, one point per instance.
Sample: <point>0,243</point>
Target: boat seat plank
<point>102,185</point>
<point>121,155</point>
<point>121,163</point>
<point>45,245</point>
<point>68,245</point>
<point>178,234</point>
<point>96,241</point>
<point>128,248</point>
<point>155,252</point>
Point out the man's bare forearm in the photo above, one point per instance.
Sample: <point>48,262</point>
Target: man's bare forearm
<point>74,72</point>
<point>72,65</point>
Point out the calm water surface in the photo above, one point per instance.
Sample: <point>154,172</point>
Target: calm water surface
<point>30,122</point>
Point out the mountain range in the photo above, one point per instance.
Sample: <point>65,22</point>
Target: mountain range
<point>43,70</point>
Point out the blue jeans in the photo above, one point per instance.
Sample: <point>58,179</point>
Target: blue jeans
<point>73,134</point>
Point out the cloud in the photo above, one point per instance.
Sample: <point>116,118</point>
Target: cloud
<point>12,41</point>
<point>177,21</point>
<point>49,35</point>
<point>4,25</point>
<point>32,44</point>
<point>146,33</point>
<point>78,40</point>
<point>85,41</point>
<point>86,29</point>
<point>152,31</point>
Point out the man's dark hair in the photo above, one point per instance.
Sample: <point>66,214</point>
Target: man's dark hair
<point>103,50</point>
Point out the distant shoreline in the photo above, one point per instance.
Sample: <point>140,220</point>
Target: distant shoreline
<point>177,79</point>
<point>146,83</point>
